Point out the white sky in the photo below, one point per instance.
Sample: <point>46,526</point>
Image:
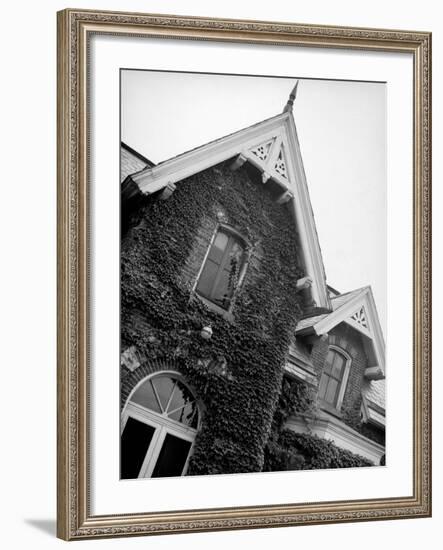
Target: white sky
<point>342,133</point>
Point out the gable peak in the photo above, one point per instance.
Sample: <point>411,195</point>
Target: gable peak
<point>291,99</point>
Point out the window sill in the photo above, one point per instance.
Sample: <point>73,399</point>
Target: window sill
<point>227,314</point>
<point>327,407</point>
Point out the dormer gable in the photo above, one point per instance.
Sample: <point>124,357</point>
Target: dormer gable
<point>357,309</point>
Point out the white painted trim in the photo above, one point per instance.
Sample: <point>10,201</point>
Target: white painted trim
<point>273,154</point>
<point>211,242</point>
<point>182,166</point>
<point>358,326</point>
<point>343,436</point>
<point>282,127</point>
<point>159,419</point>
<point>304,216</point>
<point>298,372</point>
<point>374,373</point>
<point>371,415</point>
<point>172,373</point>
<point>341,314</point>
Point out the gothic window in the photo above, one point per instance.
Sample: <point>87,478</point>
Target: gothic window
<point>333,380</point>
<point>159,425</point>
<point>222,270</point>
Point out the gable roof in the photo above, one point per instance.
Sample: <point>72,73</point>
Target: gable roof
<point>131,161</point>
<point>271,146</point>
<point>357,309</point>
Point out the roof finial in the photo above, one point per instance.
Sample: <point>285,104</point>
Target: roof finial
<point>292,96</point>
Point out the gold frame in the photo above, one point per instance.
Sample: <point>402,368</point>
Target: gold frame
<point>74,518</point>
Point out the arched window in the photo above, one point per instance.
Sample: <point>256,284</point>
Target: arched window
<point>332,385</point>
<point>159,425</point>
<point>222,270</point>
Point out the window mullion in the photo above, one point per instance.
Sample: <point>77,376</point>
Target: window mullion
<point>327,386</point>
<point>158,399</point>
<point>170,397</point>
<point>181,407</point>
<point>153,452</point>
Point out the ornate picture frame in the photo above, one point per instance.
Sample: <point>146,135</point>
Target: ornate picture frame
<point>75,518</point>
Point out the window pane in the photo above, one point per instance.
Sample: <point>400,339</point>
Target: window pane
<point>229,277</point>
<point>181,397</point>
<point>207,278</point>
<point>235,254</point>
<point>221,271</point>
<point>331,391</point>
<point>218,247</point>
<point>328,362</point>
<point>323,385</point>
<point>145,396</point>
<point>172,458</point>
<point>337,366</point>
<point>222,292</point>
<point>186,415</point>
<point>164,386</point>
<point>135,442</point>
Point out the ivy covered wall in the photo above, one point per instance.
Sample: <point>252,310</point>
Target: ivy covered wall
<point>287,450</point>
<point>237,374</point>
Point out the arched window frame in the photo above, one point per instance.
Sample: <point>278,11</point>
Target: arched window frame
<point>161,423</point>
<point>246,246</point>
<point>344,380</point>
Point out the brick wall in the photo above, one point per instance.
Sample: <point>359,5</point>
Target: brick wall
<point>319,351</point>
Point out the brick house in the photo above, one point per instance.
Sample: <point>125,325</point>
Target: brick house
<point>236,356</point>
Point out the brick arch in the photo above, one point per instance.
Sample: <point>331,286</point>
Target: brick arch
<point>149,367</point>
<point>342,342</point>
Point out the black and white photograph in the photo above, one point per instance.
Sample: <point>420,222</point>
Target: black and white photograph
<point>252,274</point>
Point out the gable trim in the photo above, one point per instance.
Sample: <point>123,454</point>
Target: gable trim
<point>205,156</point>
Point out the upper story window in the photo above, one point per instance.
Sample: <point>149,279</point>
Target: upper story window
<point>332,385</point>
<point>223,268</point>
